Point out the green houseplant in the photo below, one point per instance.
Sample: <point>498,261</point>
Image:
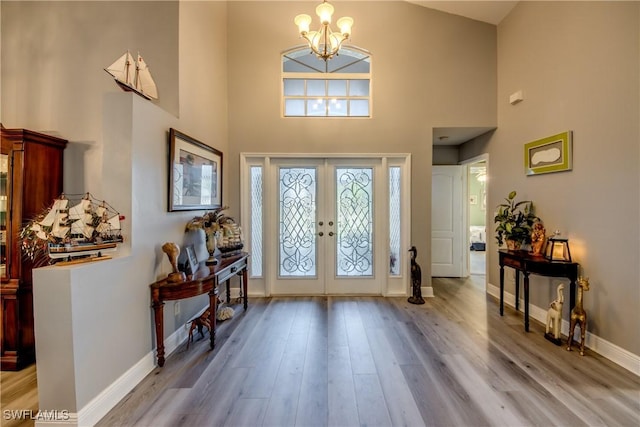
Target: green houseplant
<point>515,221</point>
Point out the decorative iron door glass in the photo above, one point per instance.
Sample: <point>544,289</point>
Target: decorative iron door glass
<point>195,174</point>
<point>326,217</point>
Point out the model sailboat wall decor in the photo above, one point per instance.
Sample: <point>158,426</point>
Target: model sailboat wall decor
<point>72,228</point>
<point>133,76</point>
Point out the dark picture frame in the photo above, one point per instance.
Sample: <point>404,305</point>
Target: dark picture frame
<point>192,259</point>
<point>195,174</point>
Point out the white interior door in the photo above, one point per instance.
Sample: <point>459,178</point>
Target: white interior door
<point>328,221</point>
<point>446,221</point>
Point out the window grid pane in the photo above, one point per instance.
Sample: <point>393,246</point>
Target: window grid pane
<point>327,97</point>
<point>346,78</point>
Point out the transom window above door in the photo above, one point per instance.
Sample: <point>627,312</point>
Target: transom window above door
<point>339,87</point>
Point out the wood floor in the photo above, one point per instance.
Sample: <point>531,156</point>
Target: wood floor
<point>369,361</point>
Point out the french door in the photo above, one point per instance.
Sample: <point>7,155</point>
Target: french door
<point>329,226</point>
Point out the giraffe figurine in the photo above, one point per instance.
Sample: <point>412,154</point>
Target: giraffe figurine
<point>579,316</point>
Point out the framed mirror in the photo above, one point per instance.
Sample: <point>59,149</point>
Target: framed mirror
<point>195,174</point>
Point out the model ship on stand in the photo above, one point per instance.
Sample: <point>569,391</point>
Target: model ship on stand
<point>133,76</point>
<point>80,229</point>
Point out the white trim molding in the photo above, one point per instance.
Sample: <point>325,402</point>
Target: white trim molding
<point>95,410</point>
<point>616,354</point>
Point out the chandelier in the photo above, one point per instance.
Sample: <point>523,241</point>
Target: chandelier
<point>325,43</point>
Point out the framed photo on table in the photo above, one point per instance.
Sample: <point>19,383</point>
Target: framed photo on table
<point>195,174</point>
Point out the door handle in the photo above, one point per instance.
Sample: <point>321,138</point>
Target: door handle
<point>330,223</point>
<point>331,233</point>
<point>321,234</point>
<point>321,223</point>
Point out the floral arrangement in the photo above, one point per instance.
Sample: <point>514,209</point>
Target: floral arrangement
<point>210,222</point>
<point>221,230</point>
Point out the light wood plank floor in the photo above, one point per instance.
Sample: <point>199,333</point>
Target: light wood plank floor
<point>348,361</point>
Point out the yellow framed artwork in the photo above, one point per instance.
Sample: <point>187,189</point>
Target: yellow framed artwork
<point>551,154</point>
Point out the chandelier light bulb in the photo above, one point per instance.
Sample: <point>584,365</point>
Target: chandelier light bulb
<point>325,11</point>
<point>303,21</point>
<point>345,23</point>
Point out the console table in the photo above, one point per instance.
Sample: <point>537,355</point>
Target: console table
<point>205,280</point>
<point>527,263</point>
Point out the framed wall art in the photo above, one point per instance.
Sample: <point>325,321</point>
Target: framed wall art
<point>551,154</point>
<point>195,174</point>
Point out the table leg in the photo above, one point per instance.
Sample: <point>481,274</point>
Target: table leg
<point>526,301</point>
<point>244,287</point>
<point>158,309</point>
<point>517,290</point>
<point>228,283</point>
<point>572,294</point>
<point>213,308</point>
<point>501,290</point>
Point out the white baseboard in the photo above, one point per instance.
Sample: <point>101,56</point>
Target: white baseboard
<point>616,354</point>
<point>93,412</point>
<point>427,291</point>
<point>55,419</point>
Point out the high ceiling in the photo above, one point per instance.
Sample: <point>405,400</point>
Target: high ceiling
<point>492,12</point>
<point>486,11</point>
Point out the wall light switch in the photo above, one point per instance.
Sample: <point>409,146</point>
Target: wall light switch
<point>516,97</point>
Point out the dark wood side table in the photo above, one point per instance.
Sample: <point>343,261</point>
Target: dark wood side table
<point>523,261</point>
<point>205,280</point>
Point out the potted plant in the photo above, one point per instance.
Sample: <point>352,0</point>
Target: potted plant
<point>515,221</point>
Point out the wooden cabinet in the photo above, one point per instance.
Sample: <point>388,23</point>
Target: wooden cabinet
<point>30,178</point>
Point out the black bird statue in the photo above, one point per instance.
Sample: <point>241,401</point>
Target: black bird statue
<point>416,279</point>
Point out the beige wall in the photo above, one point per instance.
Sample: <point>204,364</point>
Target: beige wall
<point>53,56</point>
<point>578,65</point>
<point>429,69</point>
<point>118,142</point>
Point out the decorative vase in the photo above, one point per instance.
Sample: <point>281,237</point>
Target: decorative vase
<point>212,245</point>
<point>513,245</point>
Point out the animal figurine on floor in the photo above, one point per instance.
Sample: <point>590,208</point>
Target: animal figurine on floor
<point>200,323</point>
<point>554,317</point>
<point>579,316</point>
<point>225,313</point>
<point>416,279</point>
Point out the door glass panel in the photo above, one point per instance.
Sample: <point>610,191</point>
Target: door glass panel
<point>354,242</point>
<point>4,187</point>
<point>298,255</point>
<point>394,220</point>
<point>256,221</point>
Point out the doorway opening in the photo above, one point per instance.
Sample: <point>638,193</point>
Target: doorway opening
<point>477,216</point>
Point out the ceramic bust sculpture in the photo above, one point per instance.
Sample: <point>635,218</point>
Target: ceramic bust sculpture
<point>172,250</point>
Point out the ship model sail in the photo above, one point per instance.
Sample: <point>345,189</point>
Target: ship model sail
<point>133,76</point>
<point>86,228</point>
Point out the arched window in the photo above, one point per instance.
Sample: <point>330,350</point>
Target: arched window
<point>339,87</point>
